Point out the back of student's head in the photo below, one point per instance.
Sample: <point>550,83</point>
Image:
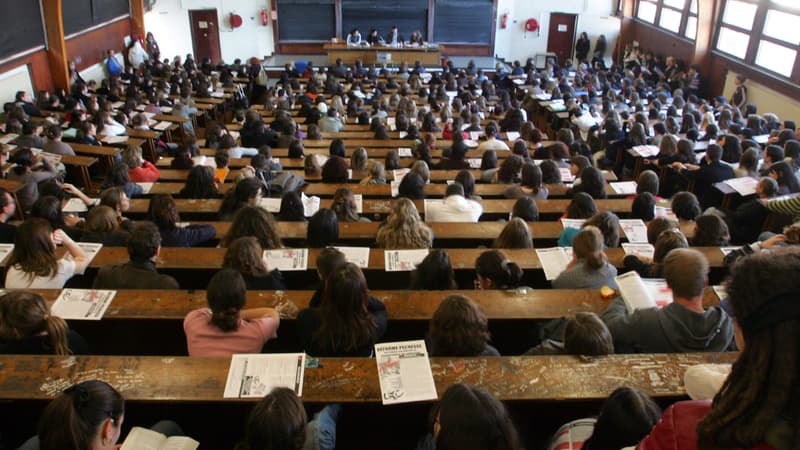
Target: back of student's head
<point>588,246</point>
<point>412,186</point>
<point>686,272</point>
<point>24,315</point>
<point>226,293</point>
<point>643,207</point>
<point>667,241</point>
<point>323,228</point>
<point>647,182</point>
<point>582,206</point>
<point>586,334</point>
<point>75,419</point>
<point>503,273</point>
<point>458,328</point>
<point>144,242</point>
<point>434,272</point>
<point>329,259</point>
<point>277,422</point>
<point>626,417</point>
<point>608,224</point>
<point>525,208</point>
<point>685,206</point>
<point>710,231</point>
<point>471,418</point>
<point>659,225</point>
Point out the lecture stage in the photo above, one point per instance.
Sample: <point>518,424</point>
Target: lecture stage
<point>428,56</point>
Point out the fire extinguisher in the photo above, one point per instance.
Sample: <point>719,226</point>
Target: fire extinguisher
<point>504,21</point>
<point>264,17</point>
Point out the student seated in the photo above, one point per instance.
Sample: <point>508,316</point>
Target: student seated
<point>683,325</point>
<point>516,234</point>
<point>323,229</point>
<point>140,272</point>
<point>756,406</point>
<point>456,208</point>
<point>627,415</point>
<point>245,255</point>
<point>348,321</point>
<point>163,212</point>
<point>589,268</point>
<point>102,226</point>
<point>667,241</point>
<point>494,271</point>
<point>403,228</point>
<point>584,334</point>
<point>28,328</point>
<point>33,263</point>
<point>459,328</point>
<point>434,273</point>
<point>8,208</point>
<point>224,328</point>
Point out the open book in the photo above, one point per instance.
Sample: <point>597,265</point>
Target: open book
<point>641,293</point>
<point>554,260</point>
<point>143,439</point>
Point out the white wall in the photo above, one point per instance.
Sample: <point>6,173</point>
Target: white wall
<point>169,22</point>
<point>764,98</point>
<point>513,43</point>
<point>17,79</point>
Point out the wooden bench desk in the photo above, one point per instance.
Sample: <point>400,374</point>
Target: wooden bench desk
<point>149,137</point>
<point>106,154</point>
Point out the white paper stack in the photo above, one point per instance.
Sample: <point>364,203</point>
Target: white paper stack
<point>646,151</point>
<point>287,259</point>
<point>635,230</point>
<point>161,126</point>
<point>254,376</point>
<point>146,187</point>
<point>403,260</point>
<point>75,205</point>
<point>272,205</point>
<point>82,304</point>
<point>404,372</point>
<point>744,186</point>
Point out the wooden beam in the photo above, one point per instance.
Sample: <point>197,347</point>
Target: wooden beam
<point>56,47</point>
<point>705,34</point>
<point>137,17</point>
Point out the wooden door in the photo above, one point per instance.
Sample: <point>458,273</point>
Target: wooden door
<point>205,34</point>
<point>561,37</point>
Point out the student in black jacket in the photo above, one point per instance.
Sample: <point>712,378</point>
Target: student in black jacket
<point>245,256</point>
<point>8,207</point>
<point>711,170</point>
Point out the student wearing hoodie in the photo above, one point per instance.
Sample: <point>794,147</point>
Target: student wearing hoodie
<point>454,208</point>
<point>683,325</point>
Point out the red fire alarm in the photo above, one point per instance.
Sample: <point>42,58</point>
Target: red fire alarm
<point>236,20</point>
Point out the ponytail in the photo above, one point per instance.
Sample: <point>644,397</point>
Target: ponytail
<point>57,330</point>
<point>513,274</point>
<point>588,246</point>
<point>504,273</point>
<point>226,320</point>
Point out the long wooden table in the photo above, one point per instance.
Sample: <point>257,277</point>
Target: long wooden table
<point>428,56</point>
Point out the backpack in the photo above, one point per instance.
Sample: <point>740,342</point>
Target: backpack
<point>283,182</point>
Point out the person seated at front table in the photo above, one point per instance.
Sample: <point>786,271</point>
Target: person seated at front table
<point>374,38</point>
<point>682,326</point>
<point>140,272</point>
<point>225,328</point>
<point>354,38</point>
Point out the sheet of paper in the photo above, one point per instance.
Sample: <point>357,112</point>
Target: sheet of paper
<point>272,205</point>
<point>254,376</point>
<point>404,152</point>
<point>642,250</point>
<point>726,250</point>
<point>143,439</point>
<point>8,138</point>
<point>470,143</point>
<point>90,248</point>
<point>662,211</point>
<point>431,203</point>
<point>659,291</point>
<point>404,372</point>
<point>402,135</point>
<point>572,223</point>
<point>403,260</point>
<point>646,151</point>
<point>553,260</point>
<point>146,187</point>
<point>82,304</point>
<point>356,255</point>
<point>635,230</point>
<point>399,174</point>
<point>474,163</point>
<point>165,109</point>
<point>566,175</point>
<point>310,204</point>
<point>624,187</point>
<point>5,250</point>
<point>114,139</point>
<point>75,205</point>
<point>287,259</point>
<point>512,135</point>
<point>161,126</point>
<point>395,188</point>
<point>744,186</point>
<point>720,290</point>
<point>474,135</point>
<point>359,198</point>
<point>638,293</point>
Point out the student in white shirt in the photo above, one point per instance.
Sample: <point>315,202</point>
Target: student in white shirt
<point>455,208</point>
<point>491,142</point>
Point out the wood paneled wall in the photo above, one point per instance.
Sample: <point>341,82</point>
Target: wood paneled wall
<point>91,47</point>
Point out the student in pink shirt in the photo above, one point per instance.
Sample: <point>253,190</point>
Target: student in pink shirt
<point>226,328</point>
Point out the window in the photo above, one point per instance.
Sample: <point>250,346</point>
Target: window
<point>676,16</point>
<point>762,33</point>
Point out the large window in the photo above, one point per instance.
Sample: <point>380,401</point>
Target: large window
<point>764,33</point>
<point>676,16</point>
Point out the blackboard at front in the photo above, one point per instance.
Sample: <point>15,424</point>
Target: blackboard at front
<point>468,21</point>
<point>77,15</point>
<point>407,15</point>
<point>306,20</point>
<point>104,10</point>
<point>20,27</point>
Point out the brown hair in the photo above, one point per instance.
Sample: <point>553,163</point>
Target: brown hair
<point>245,255</point>
<point>346,323</point>
<point>586,334</point>
<point>588,246</point>
<point>516,234</point>
<point>256,222</point>
<point>608,224</point>
<point>344,205</point>
<point>458,328</point>
<point>25,314</point>
<point>686,272</point>
<point>226,293</point>
<point>34,251</point>
<point>657,226</point>
<point>102,219</point>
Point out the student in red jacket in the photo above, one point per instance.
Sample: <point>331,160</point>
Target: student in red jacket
<point>140,171</point>
<point>756,407</point>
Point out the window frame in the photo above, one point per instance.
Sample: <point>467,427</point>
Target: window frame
<point>685,12</point>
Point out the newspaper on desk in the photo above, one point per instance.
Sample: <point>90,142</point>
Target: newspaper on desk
<point>744,186</point>
<point>404,152</point>
<point>635,230</point>
<point>398,174</point>
<point>642,250</point>
<point>356,255</point>
<point>272,205</point>
<point>5,250</point>
<point>404,372</point>
<point>639,293</point>
<point>310,204</point>
<point>624,187</point>
<point>359,199</point>
<point>645,151</point>
<point>254,376</point>
<point>82,304</point>
<point>403,260</point>
<point>572,223</point>
<point>146,187</point>
<point>554,260</point>
<point>287,259</point>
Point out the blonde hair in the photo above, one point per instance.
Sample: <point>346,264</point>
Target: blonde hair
<point>132,156</point>
<point>515,234</point>
<point>404,229</point>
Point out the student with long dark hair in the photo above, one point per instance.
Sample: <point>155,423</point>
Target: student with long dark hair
<point>460,328</point>
<point>495,271</point>
<point>245,255</point>
<point>246,192</point>
<point>435,272</point>
<point>28,328</point>
<point>163,212</point>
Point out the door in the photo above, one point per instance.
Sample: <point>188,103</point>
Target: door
<point>205,34</point>
<point>561,37</point>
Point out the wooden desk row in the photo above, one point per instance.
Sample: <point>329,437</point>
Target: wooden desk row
<point>355,380</point>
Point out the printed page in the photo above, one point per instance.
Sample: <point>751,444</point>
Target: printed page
<point>553,260</point>
<point>82,304</point>
<point>566,175</point>
<point>5,250</point>
<point>572,223</point>
<point>634,292</point>
<point>720,290</point>
<point>310,204</point>
<point>165,109</point>
<point>163,125</point>
<point>642,250</point>
<point>403,260</point>
<point>624,187</point>
<point>474,135</point>
<point>635,230</point>
<point>404,372</point>
<point>90,248</point>
<point>8,138</point>
<point>359,198</point>
<point>254,376</point>
<point>399,174</point>
<point>287,259</point>
<point>143,439</point>
<point>272,205</point>
<point>474,163</point>
<point>395,187</point>
<point>146,187</point>
<point>659,290</point>
<point>744,186</point>
<point>75,205</point>
<point>512,135</point>
<point>404,152</point>
<point>646,150</point>
<point>662,211</point>
<point>356,255</point>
